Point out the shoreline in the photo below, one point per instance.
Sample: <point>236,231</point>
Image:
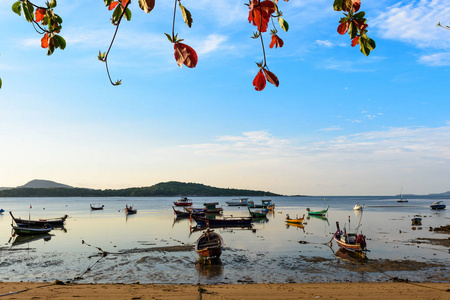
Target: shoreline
<point>371,290</point>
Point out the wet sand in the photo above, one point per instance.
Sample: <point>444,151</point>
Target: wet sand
<point>395,290</point>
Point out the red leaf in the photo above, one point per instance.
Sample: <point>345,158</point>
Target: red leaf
<point>259,14</point>
<point>355,41</point>
<point>185,55</point>
<point>343,27</point>
<point>276,41</point>
<point>356,5</point>
<point>260,81</point>
<point>113,5</point>
<point>271,77</point>
<point>124,2</point>
<point>40,13</point>
<point>44,41</point>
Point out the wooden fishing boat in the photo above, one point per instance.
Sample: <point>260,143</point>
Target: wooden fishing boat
<point>184,201</point>
<point>257,213</point>
<point>416,220</point>
<point>187,213</point>
<point>266,204</point>
<point>96,207</point>
<point>224,221</point>
<point>239,202</point>
<point>350,241</point>
<point>31,230</point>
<point>129,210</point>
<point>211,207</point>
<point>209,245</point>
<point>438,205</point>
<point>322,212</point>
<point>297,220</point>
<point>39,223</point>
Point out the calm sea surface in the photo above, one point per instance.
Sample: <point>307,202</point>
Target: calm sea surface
<point>270,252</point>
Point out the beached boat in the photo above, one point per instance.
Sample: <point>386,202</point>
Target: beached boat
<point>322,212</point>
<point>350,241</point>
<point>184,201</point>
<point>39,223</point>
<point>437,205</point>
<point>239,202</point>
<point>297,220</point>
<point>357,207</point>
<point>267,204</point>
<point>258,213</point>
<point>129,210</point>
<point>97,207</point>
<point>224,221</point>
<point>19,230</point>
<point>416,220</point>
<point>209,245</point>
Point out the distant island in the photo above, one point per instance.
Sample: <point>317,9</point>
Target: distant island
<point>47,188</point>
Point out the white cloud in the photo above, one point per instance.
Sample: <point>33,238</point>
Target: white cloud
<point>436,60</point>
<point>415,22</point>
<point>325,43</point>
<point>212,43</point>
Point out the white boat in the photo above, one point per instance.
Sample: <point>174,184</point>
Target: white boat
<point>357,207</point>
<point>401,197</point>
<point>239,202</point>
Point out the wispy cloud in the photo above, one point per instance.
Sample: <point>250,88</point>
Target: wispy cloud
<point>436,60</point>
<point>415,22</point>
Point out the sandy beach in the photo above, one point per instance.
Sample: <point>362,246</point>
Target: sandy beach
<point>395,290</point>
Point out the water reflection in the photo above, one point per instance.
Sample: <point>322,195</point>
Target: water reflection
<point>210,271</point>
<point>351,256</point>
<point>24,239</point>
<point>298,226</point>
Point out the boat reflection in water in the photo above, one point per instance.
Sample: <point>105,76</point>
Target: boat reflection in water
<point>210,271</point>
<point>18,240</point>
<point>351,256</point>
<point>298,226</point>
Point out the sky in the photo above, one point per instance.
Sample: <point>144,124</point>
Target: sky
<point>340,123</point>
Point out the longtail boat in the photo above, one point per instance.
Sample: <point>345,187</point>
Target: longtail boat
<point>257,213</point>
<point>96,207</point>
<point>224,221</point>
<point>183,202</point>
<point>239,202</point>
<point>266,204</point>
<point>129,210</point>
<point>187,213</point>
<point>32,231</point>
<point>350,241</point>
<point>39,223</point>
<point>209,245</point>
<point>297,220</point>
<point>322,212</point>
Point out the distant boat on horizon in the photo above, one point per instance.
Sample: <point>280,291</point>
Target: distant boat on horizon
<point>401,197</point>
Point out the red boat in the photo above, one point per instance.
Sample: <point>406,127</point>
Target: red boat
<point>183,202</point>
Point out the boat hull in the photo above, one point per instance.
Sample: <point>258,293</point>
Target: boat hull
<point>39,223</point>
<point>202,221</point>
<point>31,231</point>
<point>438,206</point>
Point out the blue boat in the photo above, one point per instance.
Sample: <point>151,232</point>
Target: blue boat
<point>438,205</point>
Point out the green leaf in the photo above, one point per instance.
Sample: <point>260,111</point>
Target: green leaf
<point>52,4</point>
<point>17,8</point>
<point>169,37</point>
<point>283,24</point>
<point>359,15</point>
<point>363,46</point>
<point>352,30</point>
<point>28,10</point>
<point>60,42</point>
<point>0,83</point>
<point>186,15</point>
<point>116,14</point>
<point>147,5</point>
<point>337,5</point>
<point>128,14</point>
<point>370,44</point>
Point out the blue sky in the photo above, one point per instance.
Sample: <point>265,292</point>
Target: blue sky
<point>339,123</point>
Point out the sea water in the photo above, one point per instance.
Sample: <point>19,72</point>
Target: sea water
<point>270,251</point>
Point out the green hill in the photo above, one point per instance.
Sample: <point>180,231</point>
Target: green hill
<point>171,188</point>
